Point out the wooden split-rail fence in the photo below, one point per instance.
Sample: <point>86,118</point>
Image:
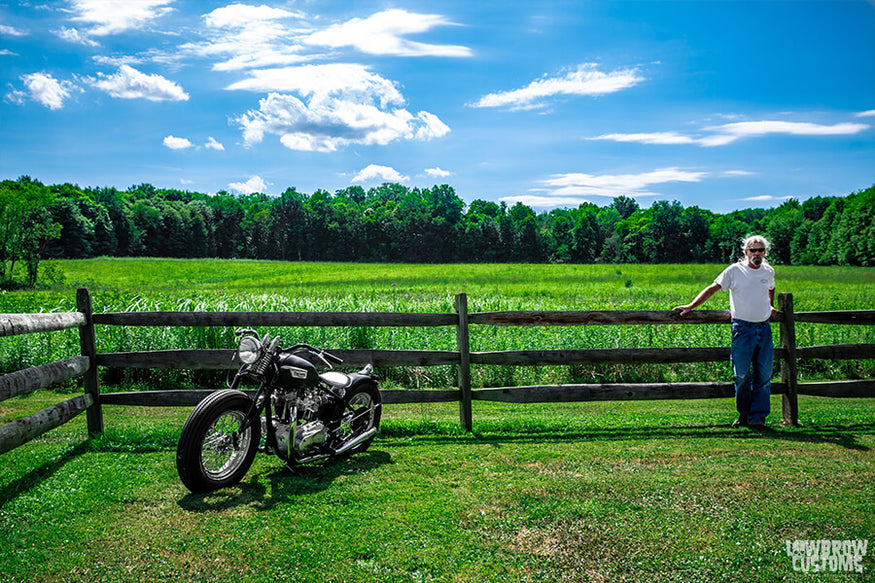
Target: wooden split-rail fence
<point>85,365</point>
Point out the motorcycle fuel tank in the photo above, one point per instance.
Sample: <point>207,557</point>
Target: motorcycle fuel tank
<point>296,371</point>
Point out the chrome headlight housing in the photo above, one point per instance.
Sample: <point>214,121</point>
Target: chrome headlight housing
<point>249,350</point>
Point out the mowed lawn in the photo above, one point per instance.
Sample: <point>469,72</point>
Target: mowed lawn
<point>631,491</point>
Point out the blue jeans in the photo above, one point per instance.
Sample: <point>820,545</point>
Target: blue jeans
<point>752,353</point>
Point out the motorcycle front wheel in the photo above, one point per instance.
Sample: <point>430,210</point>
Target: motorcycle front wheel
<point>362,411</point>
<point>212,452</point>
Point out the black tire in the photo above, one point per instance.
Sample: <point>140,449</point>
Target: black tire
<point>362,408</point>
<point>209,455</point>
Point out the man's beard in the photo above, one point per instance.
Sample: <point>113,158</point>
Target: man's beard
<point>757,260</point>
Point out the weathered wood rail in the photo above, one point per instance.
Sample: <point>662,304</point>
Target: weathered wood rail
<point>86,364</point>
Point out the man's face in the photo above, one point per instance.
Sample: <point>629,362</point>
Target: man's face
<point>755,254</point>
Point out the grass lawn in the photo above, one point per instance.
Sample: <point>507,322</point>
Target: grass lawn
<point>607,491</point>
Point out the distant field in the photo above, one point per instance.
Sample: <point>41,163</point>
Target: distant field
<point>219,285</point>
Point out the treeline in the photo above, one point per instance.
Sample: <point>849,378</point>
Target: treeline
<point>394,223</point>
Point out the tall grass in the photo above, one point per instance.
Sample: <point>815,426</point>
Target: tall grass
<point>120,285</point>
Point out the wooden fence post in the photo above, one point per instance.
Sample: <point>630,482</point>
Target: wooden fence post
<point>464,348</point>
<point>94,413</point>
<point>789,401</point>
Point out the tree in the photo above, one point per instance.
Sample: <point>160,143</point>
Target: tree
<point>26,225</point>
<point>625,206</point>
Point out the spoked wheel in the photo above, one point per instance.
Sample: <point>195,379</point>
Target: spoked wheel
<point>362,410</point>
<point>212,453</point>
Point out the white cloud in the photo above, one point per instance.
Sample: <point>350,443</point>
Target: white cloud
<point>869,113</point>
<point>437,172</point>
<point>129,83</point>
<point>383,173</point>
<point>116,16</point>
<point>249,36</point>
<point>730,173</point>
<point>212,144</point>
<point>47,90</point>
<point>345,80</point>
<point>7,30</point>
<point>340,104</point>
<point>761,128</point>
<point>383,34</point>
<point>72,35</point>
<point>611,185</point>
<point>175,143</point>
<point>728,133</point>
<point>241,15</point>
<point>649,138</point>
<point>766,198</point>
<point>586,79</point>
<point>255,184</point>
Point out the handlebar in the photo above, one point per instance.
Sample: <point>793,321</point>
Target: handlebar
<point>325,356</point>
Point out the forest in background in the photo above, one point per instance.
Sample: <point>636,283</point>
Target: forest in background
<point>394,223</point>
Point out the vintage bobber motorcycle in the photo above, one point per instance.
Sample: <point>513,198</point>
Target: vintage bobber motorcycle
<point>305,415</point>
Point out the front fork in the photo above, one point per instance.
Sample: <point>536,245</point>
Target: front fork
<point>258,410</point>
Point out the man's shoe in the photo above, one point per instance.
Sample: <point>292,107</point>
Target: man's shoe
<point>739,423</point>
<point>758,426</point>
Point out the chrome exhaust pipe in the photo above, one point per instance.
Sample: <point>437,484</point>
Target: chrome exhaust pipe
<point>351,444</point>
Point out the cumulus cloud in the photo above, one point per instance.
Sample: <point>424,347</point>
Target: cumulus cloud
<point>382,173</point>
<point>728,133</point>
<point>107,17</point>
<point>869,113</point>
<point>383,34</point>
<point>47,90</point>
<point>337,105</point>
<point>129,83</point>
<point>175,143</point>
<point>437,172</point>
<point>72,35</point>
<point>212,144</point>
<point>255,184</point>
<point>585,79</point>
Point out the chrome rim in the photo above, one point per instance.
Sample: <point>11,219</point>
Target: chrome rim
<point>224,450</point>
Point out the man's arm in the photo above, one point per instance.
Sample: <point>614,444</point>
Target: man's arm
<point>772,302</point>
<point>703,297</point>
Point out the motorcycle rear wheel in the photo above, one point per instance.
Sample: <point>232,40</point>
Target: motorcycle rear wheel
<point>362,411</point>
<point>211,453</point>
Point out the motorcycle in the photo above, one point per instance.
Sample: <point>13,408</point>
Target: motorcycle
<point>305,415</point>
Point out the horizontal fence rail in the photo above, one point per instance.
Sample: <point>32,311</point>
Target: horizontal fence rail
<point>14,324</point>
<point>254,319</point>
<point>85,365</point>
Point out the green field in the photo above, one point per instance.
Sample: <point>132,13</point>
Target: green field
<point>220,285</point>
<point>603,491</point>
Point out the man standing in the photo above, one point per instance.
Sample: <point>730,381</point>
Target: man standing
<point>751,285</point>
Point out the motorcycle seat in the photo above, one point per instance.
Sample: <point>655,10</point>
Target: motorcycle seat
<point>337,380</point>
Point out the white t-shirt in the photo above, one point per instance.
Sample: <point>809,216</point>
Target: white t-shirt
<point>748,290</point>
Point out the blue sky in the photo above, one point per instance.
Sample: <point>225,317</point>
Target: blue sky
<point>724,105</point>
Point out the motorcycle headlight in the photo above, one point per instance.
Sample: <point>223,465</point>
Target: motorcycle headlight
<point>249,350</point>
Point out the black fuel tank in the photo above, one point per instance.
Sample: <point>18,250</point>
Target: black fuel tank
<point>297,372</point>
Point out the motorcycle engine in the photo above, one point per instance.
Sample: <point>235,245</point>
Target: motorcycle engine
<point>311,431</point>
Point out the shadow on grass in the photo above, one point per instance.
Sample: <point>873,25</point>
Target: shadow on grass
<point>264,490</point>
<point>845,436</point>
<point>34,477</point>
